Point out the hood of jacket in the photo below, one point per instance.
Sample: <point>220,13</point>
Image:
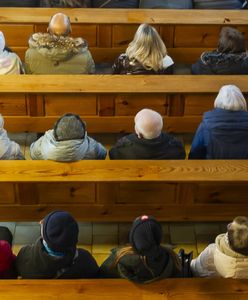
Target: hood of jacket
<point>221,63</point>
<point>37,263</point>
<point>71,150</point>
<point>133,267</point>
<point>57,48</point>
<point>228,263</point>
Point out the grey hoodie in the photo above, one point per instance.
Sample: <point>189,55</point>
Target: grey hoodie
<point>48,148</point>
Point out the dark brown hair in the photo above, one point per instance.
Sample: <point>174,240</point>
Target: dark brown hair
<point>231,40</point>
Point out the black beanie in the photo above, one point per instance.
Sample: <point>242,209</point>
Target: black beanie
<point>6,235</point>
<point>60,231</point>
<point>146,235</point>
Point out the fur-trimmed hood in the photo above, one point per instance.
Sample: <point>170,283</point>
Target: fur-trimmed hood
<point>57,48</point>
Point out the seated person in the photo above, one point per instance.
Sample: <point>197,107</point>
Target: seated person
<point>8,149</point>
<point>55,254</point>
<point>220,4</point>
<point>228,256</point>
<point>115,3</point>
<point>19,3</point>
<point>223,132</point>
<point>57,53</point>
<point>67,141</point>
<point>148,142</point>
<point>144,260</point>
<point>230,57</point>
<point>64,3</point>
<point>10,62</point>
<point>7,258</point>
<point>146,54</point>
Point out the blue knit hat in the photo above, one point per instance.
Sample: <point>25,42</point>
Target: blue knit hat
<point>60,231</point>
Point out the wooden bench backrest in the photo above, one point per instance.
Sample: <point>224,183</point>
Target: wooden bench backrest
<point>122,190</point>
<point>110,289</point>
<point>108,103</point>
<point>186,33</point>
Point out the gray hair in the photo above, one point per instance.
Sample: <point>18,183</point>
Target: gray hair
<point>148,123</point>
<point>230,97</point>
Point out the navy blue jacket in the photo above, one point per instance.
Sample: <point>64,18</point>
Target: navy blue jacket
<point>223,134</point>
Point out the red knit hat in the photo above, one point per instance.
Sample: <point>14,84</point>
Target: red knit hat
<point>6,257</point>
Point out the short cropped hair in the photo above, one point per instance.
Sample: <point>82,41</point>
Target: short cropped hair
<point>231,40</point>
<point>237,232</point>
<point>230,98</point>
<point>148,123</point>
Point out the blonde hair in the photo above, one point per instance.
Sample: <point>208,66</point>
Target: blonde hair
<point>147,48</point>
<point>230,97</point>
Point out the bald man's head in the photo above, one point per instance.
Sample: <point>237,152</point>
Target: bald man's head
<point>59,25</point>
<point>148,124</point>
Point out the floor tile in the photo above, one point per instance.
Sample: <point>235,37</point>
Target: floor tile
<point>100,258</point>
<point>124,229</point>
<point>10,225</point>
<point>103,244</point>
<point>207,228</point>
<point>182,234</point>
<point>26,234</point>
<point>85,233</point>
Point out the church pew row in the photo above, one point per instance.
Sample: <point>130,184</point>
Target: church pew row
<point>114,191</point>
<point>110,289</point>
<point>108,103</point>
<point>186,33</point>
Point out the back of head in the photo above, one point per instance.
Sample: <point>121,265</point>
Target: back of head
<point>60,231</point>
<point>148,123</point>
<point>6,235</point>
<point>230,98</point>
<point>231,41</point>
<point>6,257</point>
<point>59,25</point>
<point>147,47</point>
<point>145,236</point>
<point>69,127</point>
<point>237,232</point>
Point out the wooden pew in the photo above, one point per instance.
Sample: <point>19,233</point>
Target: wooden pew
<point>110,289</point>
<point>122,190</point>
<point>186,33</point>
<point>108,103</point>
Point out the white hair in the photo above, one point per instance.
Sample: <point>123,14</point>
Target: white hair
<point>148,123</point>
<point>231,98</point>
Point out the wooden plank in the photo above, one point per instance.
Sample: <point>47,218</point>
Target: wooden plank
<point>109,289</point>
<point>119,83</point>
<point>125,171</point>
<point>120,16</point>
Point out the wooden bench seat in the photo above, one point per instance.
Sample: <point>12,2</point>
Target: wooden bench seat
<point>121,190</point>
<point>110,289</point>
<point>186,33</point>
<point>108,103</point>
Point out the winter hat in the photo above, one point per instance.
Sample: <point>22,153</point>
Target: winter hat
<point>69,127</point>
<point>146,235</point>
<point>6,257</point>
<point>6,235</point>
<point>60,231</point>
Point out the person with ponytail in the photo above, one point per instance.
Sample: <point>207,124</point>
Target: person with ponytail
<point>144,260</point>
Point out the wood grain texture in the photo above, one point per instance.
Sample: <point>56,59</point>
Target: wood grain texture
<point>132,16</point>
<point>119,83</point>
<point>126,171</point>
<point>109,289</point>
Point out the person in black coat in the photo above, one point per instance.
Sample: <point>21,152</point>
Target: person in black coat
<point>55,253</point>
<point>19,3</point>
<point>148,141</point>
<point>230,57</point>
<point>64,3</point>
<point>144,260</point>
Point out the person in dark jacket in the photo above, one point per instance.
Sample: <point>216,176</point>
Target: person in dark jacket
<point>148,142</point>
<point>145,260</point>
<point>7,258</point>
<point>146,54</point>
<point>64,3</point>
<point>230,57</point>
<point>55,253</point>
<point>223,132</point>
<point>19,3</point>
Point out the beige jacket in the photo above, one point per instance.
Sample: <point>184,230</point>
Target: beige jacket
<point>219,259</point>
<point>50,54</point>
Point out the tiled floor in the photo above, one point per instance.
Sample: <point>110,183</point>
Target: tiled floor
<point>99,238</point>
